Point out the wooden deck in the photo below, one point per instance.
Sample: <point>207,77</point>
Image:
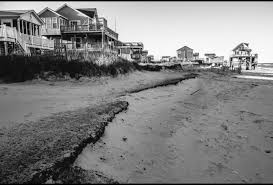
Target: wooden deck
<point>10,34</point>
<point>89,29</point>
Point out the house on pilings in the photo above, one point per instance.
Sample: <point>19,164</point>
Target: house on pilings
<point>242,57</point>
<point>79,29</point>
<point>20,33</point>
<point>131,51</point>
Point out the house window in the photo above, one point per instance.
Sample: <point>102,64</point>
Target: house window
<point>48,22</point>
<point>75,22</point>
<point>54,22</point>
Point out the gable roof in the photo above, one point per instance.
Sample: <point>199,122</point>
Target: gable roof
<point>243,43</point>
<point>65,5</point>
<point>45,9</point>
<point>90,12</point>
<point>19,13</point>
<point>184,47</point>
<point>13,12</point>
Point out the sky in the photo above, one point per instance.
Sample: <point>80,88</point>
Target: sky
<point>164,27</point>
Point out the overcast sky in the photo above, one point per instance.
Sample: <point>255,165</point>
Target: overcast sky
<point>164,27</point>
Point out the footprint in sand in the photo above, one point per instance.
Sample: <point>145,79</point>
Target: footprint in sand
<point>27,115</point>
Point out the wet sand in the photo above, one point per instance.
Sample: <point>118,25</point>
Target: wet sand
<point>212,129</point>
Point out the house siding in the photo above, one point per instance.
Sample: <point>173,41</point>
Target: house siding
<point>185,53</point>
<point>30,17</point>
<point>71,14</point>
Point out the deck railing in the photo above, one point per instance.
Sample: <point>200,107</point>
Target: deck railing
<point>50,31</point>
<point>87,28</point>
<point>24,40</point>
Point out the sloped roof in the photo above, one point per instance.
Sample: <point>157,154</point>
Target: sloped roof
<point>243,43</point>
<point>13,12</point>
<point>184,47</point>
<point>91,12</point>
<point>66,5</point>
<point>19,13</point>
<point>49,9</point>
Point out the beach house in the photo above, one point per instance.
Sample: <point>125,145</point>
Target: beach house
<point>242,57</point>
<point>20,33</point>
<point>213,60</point>
<point>78,28</point>
<point>131,51</point>
<point>165,58</point>
<point>184,54</point>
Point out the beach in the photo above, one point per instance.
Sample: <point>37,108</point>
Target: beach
<point>205,127</point>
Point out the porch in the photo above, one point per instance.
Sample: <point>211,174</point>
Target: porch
<point>89,29</point>
<point>10,34</point>
<point>88,41</point>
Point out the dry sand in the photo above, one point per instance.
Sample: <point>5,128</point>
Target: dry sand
<point>212,129</point>
<point>42,147</point>
<point>32,100</point>
<point>215,128</point>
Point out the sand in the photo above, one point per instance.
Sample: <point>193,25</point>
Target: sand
<point>212,129</point>
<point>40,150</point>
<point>32,100</point>
<point>216,128</point>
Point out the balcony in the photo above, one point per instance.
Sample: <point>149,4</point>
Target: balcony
<point>92,47</point>
<point>12,35</point>
<point>50,31</point>
<point>241,55</point>
<point>88,28</point>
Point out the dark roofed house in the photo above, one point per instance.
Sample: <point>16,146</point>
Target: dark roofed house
<point>185,53</point>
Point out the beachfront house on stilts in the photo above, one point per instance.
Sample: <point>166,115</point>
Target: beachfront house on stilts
<point>132,51</point>
<point>20,33</point>
<point>242,57</point>
<point>79,29</point>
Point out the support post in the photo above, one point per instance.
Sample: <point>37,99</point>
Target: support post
<point>36,30</point>
<point>31,30</point>
<point>39,27</point>
<point>23,26</point>
<point>6,48</point>
<point>102,40</point>
<point>86,41</point>
<point>18,25</point>
<point>75,43</point>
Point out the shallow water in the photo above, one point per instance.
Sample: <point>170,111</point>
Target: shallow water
<point>169,135</point>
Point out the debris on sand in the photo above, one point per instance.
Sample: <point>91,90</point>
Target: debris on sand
<point>124,139</point>
<point>102,158</point>
<point>224,127</point>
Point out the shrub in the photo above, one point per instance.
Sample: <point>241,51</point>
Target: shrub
<point>22,68</point>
